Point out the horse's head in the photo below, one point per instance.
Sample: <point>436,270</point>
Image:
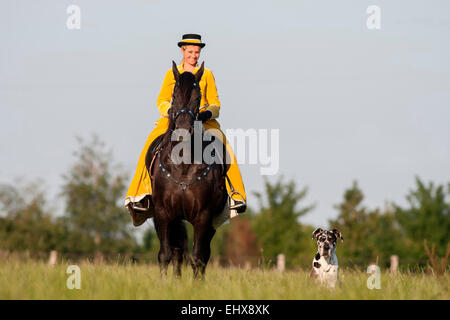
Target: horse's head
<point>186,98</point>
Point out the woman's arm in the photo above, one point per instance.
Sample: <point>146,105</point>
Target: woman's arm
<point>211,95</point>
<point>165,94</point>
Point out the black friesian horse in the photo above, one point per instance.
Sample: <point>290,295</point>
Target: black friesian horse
<point>194,190</point>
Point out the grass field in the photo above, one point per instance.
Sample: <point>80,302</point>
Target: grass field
<point>34,280</point>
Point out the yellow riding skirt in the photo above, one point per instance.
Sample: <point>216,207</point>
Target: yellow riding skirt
<point>141,185</point>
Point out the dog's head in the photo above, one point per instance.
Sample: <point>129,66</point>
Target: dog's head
<point>326,240</point>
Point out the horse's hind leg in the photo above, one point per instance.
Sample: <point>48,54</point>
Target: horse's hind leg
<point>203,234</point>
<point>178,245</point>
<point>165,252</point>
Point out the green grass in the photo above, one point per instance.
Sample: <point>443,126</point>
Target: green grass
<point>34,280</point>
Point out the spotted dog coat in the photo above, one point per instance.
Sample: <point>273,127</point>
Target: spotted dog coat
<point>325,263</point>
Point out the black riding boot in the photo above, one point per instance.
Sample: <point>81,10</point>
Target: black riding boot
<point>239,206</point>
<point>141,211</point>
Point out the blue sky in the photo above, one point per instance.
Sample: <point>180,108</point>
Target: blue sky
<point>350,103</point>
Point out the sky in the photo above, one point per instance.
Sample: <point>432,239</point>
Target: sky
<point>350,103</point>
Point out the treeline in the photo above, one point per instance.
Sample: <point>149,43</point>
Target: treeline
<point>95,220</point>
<point>371,235</point>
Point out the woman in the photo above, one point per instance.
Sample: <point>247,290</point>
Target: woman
<point>138,198</point>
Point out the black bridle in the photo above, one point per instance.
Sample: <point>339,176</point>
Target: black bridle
<point>185,110</point>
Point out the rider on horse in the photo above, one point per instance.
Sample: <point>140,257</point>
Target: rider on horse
<point>138,198</point>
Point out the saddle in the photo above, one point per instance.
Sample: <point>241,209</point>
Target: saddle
<point>155,146</point>
<point>231,209</point>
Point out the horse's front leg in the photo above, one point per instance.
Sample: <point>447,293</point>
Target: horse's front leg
<point>165,252</point>
<point>203,234</point>
<point>178,245</point>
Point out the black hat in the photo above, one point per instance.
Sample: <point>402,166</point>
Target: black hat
<point>191,39</point>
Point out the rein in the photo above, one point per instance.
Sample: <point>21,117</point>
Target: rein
<point>183,185</point>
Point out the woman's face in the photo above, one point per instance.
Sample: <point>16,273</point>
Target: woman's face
<point>191,54</point>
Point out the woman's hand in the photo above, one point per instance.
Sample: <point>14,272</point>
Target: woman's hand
<point>204,116</point>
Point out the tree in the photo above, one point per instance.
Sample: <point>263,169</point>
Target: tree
<point>26,223</point>
<point>426,218</point>
<point>241,242</point>
<point>94,190</point>
<point>150,240</point>
<point>368,234</point>
<point>276,226</point>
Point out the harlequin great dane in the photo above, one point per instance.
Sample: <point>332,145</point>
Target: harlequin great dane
<point>325,263</point>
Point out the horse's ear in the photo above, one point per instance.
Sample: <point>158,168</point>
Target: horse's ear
<point>199,73</point>
<point>176,73</point>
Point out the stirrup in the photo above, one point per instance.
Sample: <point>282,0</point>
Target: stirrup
<point>136,208</point>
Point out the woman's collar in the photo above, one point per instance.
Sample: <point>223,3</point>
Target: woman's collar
<point>181,66</point>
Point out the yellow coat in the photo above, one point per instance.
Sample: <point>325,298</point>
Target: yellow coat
<point>141,185</point>
<point>210,99</point>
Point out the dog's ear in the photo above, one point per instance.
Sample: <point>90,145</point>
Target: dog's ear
<point>316,232</point>
<point>338,234</point>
